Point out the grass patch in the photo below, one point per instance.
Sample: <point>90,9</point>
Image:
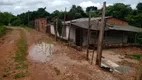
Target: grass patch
<point>20,57</point>
<point>22,48</point>
<point>19,75</point>
<point>135,56</point>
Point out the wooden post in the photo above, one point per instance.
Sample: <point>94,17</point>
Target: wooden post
<point>55,29</point>
<point>94,44</point>
<point>63,28</point>
<point>93,53</point>
<point>122,38</point>
<point>28,18</point>
<point>101,37</point>
<point>89,25</point>
<point>69,31</point>
<point>135,38</point>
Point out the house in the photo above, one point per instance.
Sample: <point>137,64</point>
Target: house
<point>116,31</point>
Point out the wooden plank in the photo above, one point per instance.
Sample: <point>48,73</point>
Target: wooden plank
<point>101,37</point>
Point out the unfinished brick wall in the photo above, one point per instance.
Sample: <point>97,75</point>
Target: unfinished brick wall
<point>116,21</point>
<point>40,24</point>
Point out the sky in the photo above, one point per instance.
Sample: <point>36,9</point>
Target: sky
<point>20,6</point>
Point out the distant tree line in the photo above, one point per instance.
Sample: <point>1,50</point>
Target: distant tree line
<point>118,10</point>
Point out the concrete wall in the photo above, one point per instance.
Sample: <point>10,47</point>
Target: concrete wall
<point>72,32</point>
<point>110,37</point>
<point>115,37</point>
<point>93,38</point>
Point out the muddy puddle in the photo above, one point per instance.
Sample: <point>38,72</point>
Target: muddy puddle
<point>41,52</point>
<point>123,69</point>
<point>112,66</point>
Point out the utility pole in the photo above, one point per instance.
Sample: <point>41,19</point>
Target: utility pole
<point>89,26</point>
<point>101,37</point>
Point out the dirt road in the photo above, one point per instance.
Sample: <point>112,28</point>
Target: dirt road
<point>46,59</point>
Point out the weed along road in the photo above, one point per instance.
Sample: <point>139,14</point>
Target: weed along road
<point>26,54</point>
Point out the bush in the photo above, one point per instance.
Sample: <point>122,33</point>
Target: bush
<point>2,30</point>
<point>16,22</point>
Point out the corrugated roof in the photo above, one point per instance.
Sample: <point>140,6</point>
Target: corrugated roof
<point>126,28</point>
<point>83,23</point>
<point>86,19</point>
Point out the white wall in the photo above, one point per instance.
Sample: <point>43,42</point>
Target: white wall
<point>72,32</point>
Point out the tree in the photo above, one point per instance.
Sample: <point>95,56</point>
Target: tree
<point>16,22</point>
<point>139,6</point>
<point>91,8</point>
<point>6,18</point>
<point>57,13</point>
<point>119,10</point>
<point>32,15</point>
<point>77,12</point>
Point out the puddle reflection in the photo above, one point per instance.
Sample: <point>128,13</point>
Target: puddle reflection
<point>41,52</point>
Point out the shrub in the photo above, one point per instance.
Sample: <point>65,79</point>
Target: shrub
<point>2,30</point>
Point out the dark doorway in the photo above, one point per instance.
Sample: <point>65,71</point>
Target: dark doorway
<point>79,36</point>
<point>48,29</point>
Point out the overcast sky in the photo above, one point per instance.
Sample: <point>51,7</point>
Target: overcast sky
<point>19,6</point>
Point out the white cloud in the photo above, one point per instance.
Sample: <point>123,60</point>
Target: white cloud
<point>133,6</point>
<point>85,4</point>
<point>19,6</point>
<point>60,2</point>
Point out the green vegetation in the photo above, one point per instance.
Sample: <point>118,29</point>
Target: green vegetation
<point>117,10</point>
<point>2,30</point>
<point>19,75</point>
<point>17,65</point>
<point>135,56</point>
<point>20,57</point>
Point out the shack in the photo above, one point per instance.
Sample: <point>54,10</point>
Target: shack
<point>116,31</point>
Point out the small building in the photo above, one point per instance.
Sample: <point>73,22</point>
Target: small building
<point>41,24</point>
<point>116,31</point>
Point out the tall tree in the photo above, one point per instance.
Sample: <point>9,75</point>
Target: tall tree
<point>91,8</point>
<point>77,12</point>
<point>139,6</point>
<point>119,10</point>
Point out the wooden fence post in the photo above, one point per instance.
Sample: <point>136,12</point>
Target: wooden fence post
<point>101,37</point>
<point>63,28</point>
<point>55,29</point>
<point>89,26</point>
